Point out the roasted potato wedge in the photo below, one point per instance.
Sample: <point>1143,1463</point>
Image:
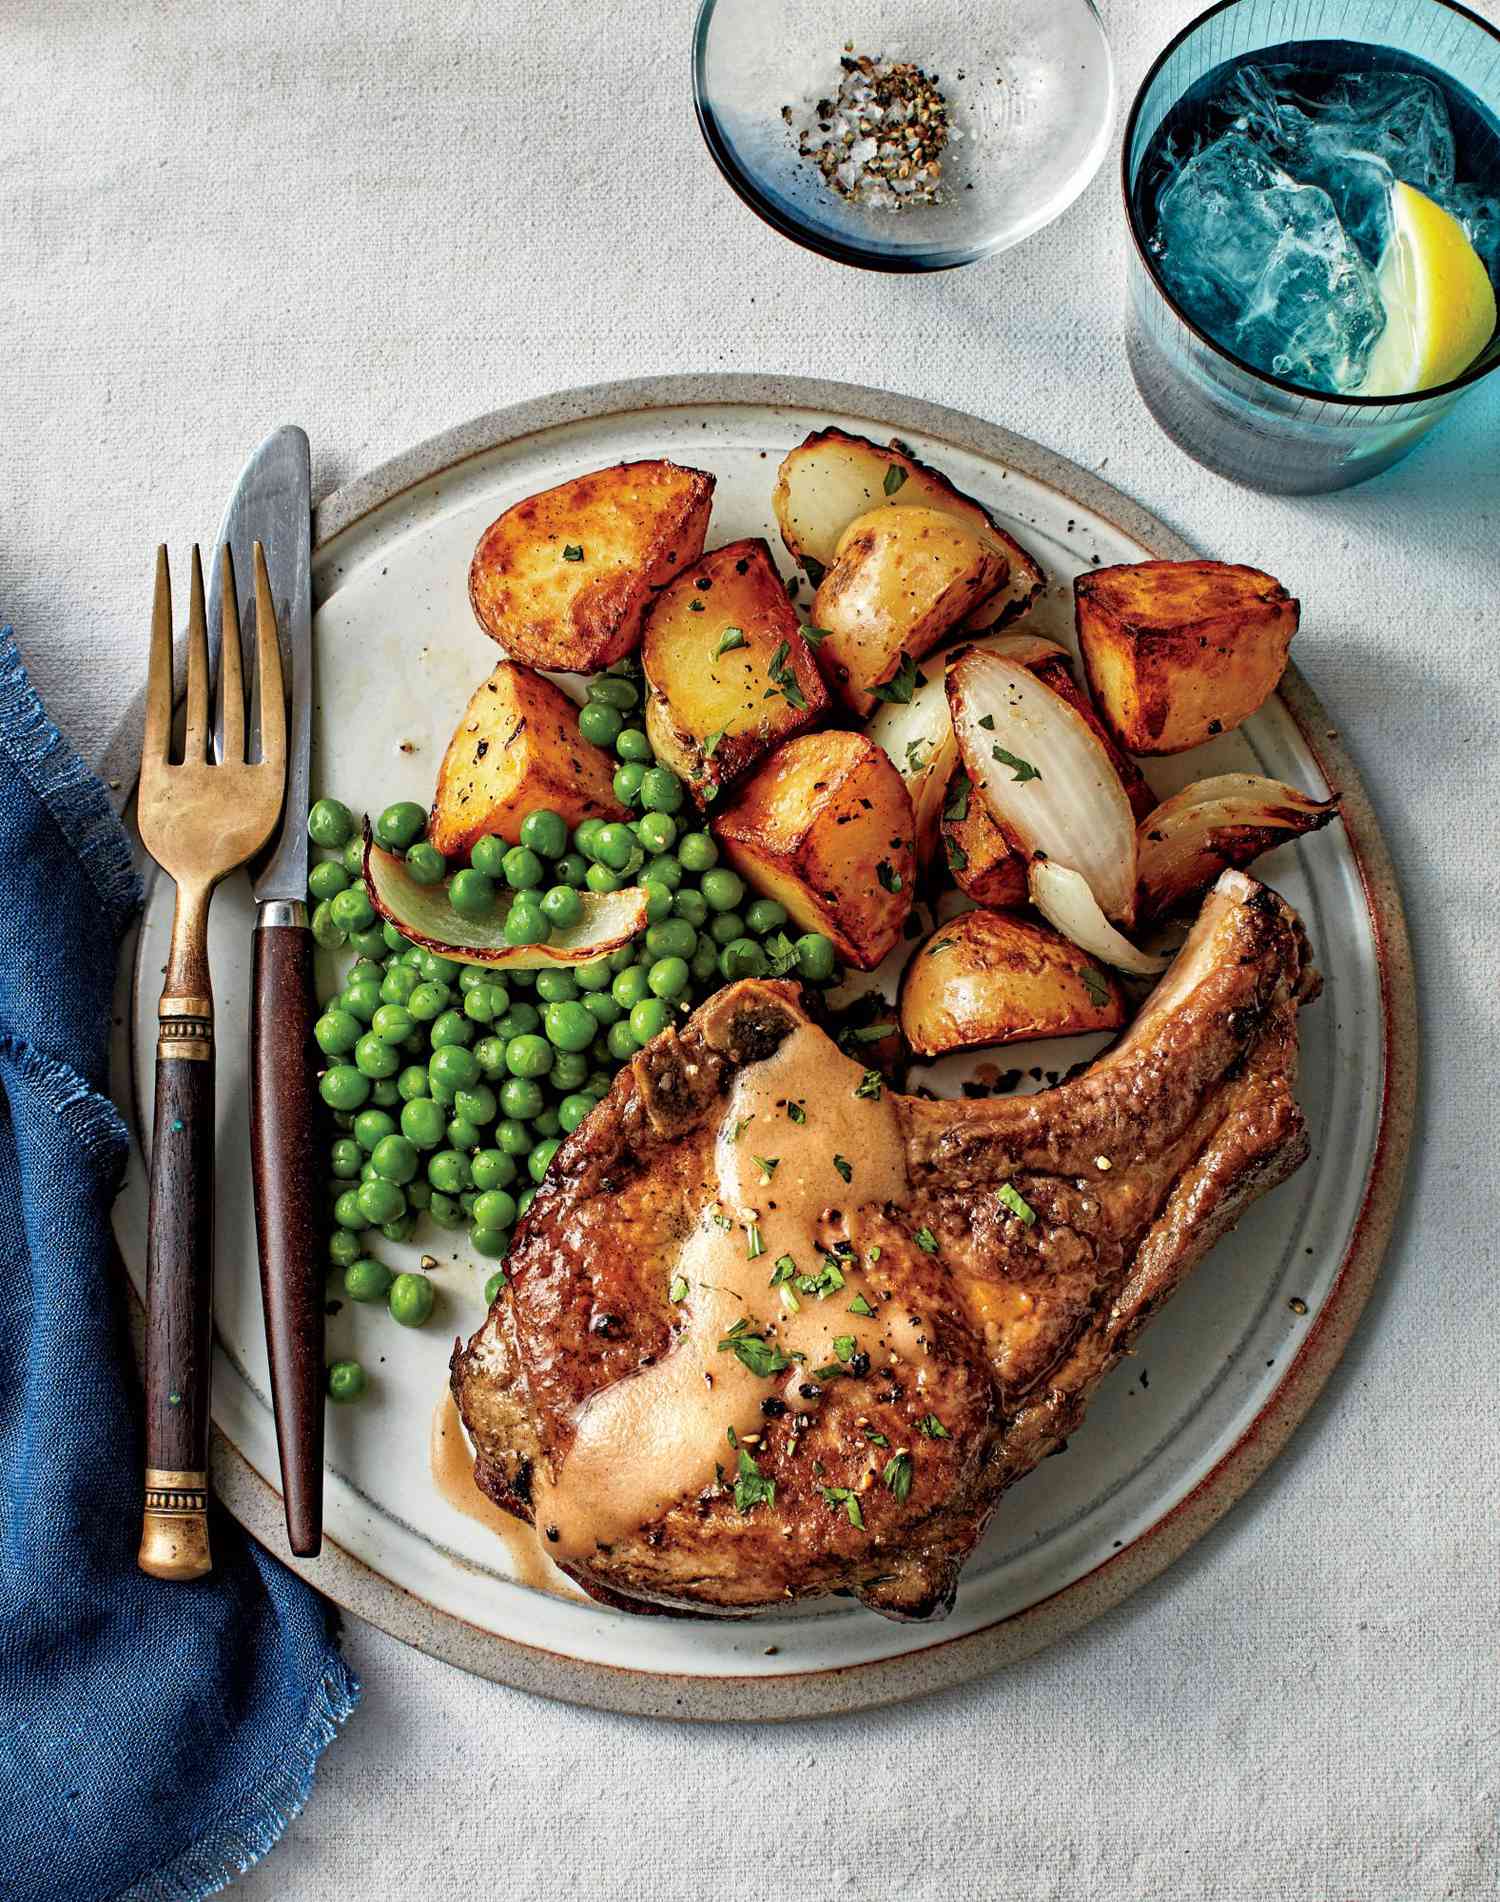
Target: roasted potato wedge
<point>984,978</point>
<point>729,673</point>
<point>517,747</point>
<point>984,864</point>
<point>825,826</point>
<point>901,579</point>
<point>1177,651</point>
<point>562,579</point>
<point>832,477</point>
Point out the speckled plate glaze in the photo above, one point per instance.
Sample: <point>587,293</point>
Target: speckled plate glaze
<point>1172,1438</point>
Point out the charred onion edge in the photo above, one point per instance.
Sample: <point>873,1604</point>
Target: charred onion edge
<point>1066,901</point>
<point>1251,814</point>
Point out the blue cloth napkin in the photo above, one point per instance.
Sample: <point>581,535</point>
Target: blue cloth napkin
<point>155,1738</point>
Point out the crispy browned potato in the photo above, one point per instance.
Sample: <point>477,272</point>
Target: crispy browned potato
<point>728,671</point>
<point>562,579</point>
<point>983,862</point>
<point>832,477</point>
<point>1177,651</point>
<point>517,747</point>
<point>984,978</point>
<point>900,580</point>
<point>825,826</point>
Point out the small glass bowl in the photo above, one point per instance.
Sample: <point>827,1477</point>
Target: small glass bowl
<point>1030,88</point>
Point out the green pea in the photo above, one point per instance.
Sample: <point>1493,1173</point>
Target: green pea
<point>343,1087</point>
<point>478,1106</point>
<point>546,832</point>
<point>448,1171</point>
<point>400,825</point>
<point>570,1067</point>
<point>347,1213</point>
<point>594,976</point>
<point>662,790</point>
<point>815,957</point>
<point>657,831</point>
<point>395,1158</point>
<point>347,1380</point>
<point>632,746</point>
<point>492,1287</point>
<point>428,1001</point>
<point>524,870</point>
<point>426,864</point>
<point>487,855</point>
<point>572,869</point>
<point>380,1201</point>
<point>423,1122</point>
<point>440,1092</point>
<point>540,1159</point>
<point>471,977</point>
<point>623,1043</point>
<point>440,970</point>
<point>612,690</point>
<point>568,1026</point>
<point>352,858</point>
<point>521,979</point>
<point>369,943</point>
<point>365,971</point>
<point>742,957</point>
<point>392,1023</point>
<point>722,888</point>
<point>668,977</point>
<point>630,987</point>
<point>521,1097</point>
<point>489,1054</point>
<point>367,1279</point>
<point>662,870</point>
<point>692,906</point>
<point>617,847</point>
<point>344,1244</point>
<point>512,1135</point>
<point>412,1082</point>
<point>545,1122</point>
<point>337,1032</point>
<point>726,927</point>
<point>658,902</point>
<point>764,915</point>
<point>325,929</point>
<point>445,1211</point>
<point>453,1066</point>
<point>463,1135</point>
<point>393,938</point>
<point>584,835</point>
<point>452,1027</point>
<point>327,879</point>
<point>398,984</point>
<point>572,1110</point>
<point>479,1004</point>
<point>491,1242</point>
<point>601,1006</point>
<point>627,782</point>
<point>418,1194</point>
<point>672,938</point>
<point>346,1157</point>
<point>525,921</point>
<point>495,1208</point>
<point>374,1057</point>
<point>402,1228</point>
<point>562,907</point>
<point>351,909</point>
<point>704,963</point>
<point>492,1169</point>
<point>330,823</point>
<point>599,723</point>
<point>528,1056</point>
<point>524,1201</point>
<point>649,1019</point>
<point>518,1020</point>
<point>556,987</point>
<point>471,894</point>
<point>383,1092</point>
<point>410,1300</point>
<point>697,852</point>
<point>602,880</point>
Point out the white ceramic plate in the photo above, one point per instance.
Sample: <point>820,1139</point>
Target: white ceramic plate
<point>1174,1435</point>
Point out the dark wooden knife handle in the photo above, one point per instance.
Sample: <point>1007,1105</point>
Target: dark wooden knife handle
<point>284,1142</point>
<point>179,1293</point>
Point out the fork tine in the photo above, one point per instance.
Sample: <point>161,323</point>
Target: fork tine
<point>231,746</point>
<point>272,690</point>
<point>156,741</point>
<point>195,740</point>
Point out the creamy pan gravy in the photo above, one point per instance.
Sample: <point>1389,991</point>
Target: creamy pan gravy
<point>659,1435</point>
<point>452,1465</point>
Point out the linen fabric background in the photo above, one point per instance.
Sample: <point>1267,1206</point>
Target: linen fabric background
<point>377,219</point>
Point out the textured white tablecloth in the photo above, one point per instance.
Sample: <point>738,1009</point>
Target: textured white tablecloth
<point>379,219</point>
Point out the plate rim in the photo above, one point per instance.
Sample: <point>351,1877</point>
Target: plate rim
<point>358,1588</point>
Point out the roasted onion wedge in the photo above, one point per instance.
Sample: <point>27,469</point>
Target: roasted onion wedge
<point>423,914</point>
<point>1045,775</point>
<point>1064,899</point>
<point>1211,825</point>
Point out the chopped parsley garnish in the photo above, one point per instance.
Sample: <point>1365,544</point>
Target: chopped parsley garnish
<point>784,679</point>
<point>958,858</point>
<point>1095,984</point>
<point>754,1351</point>
<point>754,1242</point>
<point>932,1428</point>
<point>767,1165</point>
<point>926,1240</point>
<point>869,1085</point>
<point>901,685</point>
<point>859,1305</point>
<point>872,1033</point>
<point>915,759</point>
<point>841,1496</point>
<point>942,945</point>
<point>695,606</point>
<point>987,721</point>
<point>573,551</point>
<point>889,877</point>
<point>816,635</point>
<point>1016,1203</point>
<point>712,744</point>
<point>678,1290</point>
<point>729,640</point>
<point>782,1269</point>
<point>828,1280</point>
<point>1021,769</point>
<point>843,1347</point>
<point>875,1254</point>
<point>844,1167</point>
<point>741,1124</point>
<point>897,1474</point>
<point>830,1370</point>
<point>782,955</point>
<point>875,1439</point>
<point>721,1220</point>
<point>958,800</point>
<point>797,1112</point>
<point>895,477</point>
<point>751,1487</point>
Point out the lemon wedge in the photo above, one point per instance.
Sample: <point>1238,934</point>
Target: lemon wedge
<point>1439,303</point>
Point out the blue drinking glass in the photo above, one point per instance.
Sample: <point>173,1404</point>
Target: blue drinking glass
<point>1242,422</point>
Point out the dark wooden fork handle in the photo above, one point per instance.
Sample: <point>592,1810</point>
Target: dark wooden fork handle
<point>179,1290</point>
<point>283,1147</point>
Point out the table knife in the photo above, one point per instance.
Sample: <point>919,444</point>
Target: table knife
<point>272,504</point>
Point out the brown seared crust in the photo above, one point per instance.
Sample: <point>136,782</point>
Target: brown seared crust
<point>1193,1113</point>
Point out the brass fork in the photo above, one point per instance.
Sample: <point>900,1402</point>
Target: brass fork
<point>198,821</point>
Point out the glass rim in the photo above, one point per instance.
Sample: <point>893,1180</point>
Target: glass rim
<point>1475,372</point>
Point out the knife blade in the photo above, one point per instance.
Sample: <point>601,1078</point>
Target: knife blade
<point>272,504</point>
